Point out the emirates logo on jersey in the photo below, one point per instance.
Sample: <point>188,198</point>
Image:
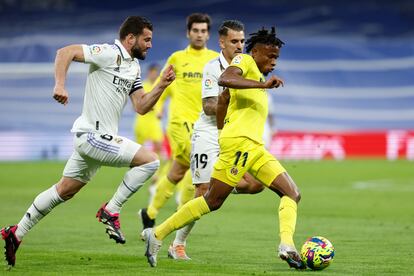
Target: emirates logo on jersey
<point>122,85</point>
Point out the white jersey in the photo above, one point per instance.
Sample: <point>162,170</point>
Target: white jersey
<point>210,88</point>
<point>113,76</point>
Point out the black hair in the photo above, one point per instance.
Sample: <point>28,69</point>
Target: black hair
<point>134,25</point>
<point>265,37</point>
<point>234,25</point>
<point>198,18</point>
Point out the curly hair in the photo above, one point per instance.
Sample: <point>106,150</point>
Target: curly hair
<point>265,37</point>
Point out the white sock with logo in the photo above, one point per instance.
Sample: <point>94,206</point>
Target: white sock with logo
<point>133,180</point>
<point>41,206</point>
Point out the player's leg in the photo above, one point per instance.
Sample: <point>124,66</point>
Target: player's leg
<point>76,174</point>
<point>143,164</point>
<point>177,249</point>
<point>204,152</point>
<point>165,189</point>
<point>179,139</point>
<point>191,211</point>
<point>271,173</point>
<point>248,185</point>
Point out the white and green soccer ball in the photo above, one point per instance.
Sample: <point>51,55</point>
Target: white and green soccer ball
<point>317,253</point>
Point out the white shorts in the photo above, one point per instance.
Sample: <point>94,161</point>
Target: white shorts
<point>204,153</point>
<point>93,150</point>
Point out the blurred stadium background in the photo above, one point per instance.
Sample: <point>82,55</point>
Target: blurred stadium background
<point>348,68</point>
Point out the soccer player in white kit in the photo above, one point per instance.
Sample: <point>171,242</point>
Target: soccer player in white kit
<point>205,146</point>
<point>114,75</point>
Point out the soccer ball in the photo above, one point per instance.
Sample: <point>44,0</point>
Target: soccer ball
<point>317,253</point>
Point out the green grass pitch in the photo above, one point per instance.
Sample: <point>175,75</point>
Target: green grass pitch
<point>365,207</point>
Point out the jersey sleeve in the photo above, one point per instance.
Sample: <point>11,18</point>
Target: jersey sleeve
<point>209,85</point>
<point>242,62</point>
<point>99,54</point>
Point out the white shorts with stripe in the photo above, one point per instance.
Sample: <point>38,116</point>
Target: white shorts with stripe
<point>204,153</point>
<point>93,150</point>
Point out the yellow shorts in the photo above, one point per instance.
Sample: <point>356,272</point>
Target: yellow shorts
<point>148,128</point>
<point>241,155</point>
<point>179,136</point>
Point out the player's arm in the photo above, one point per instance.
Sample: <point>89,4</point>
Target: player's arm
<point>232,77</point>
<point>144,102</point>
<point>210,105</point>
<point>210,89</point>
<point>63,59</point>
<point>222,104</point>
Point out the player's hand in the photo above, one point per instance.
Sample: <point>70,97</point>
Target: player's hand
<point>168,76</point>
<point>61,95</point>
<point>273,82</point>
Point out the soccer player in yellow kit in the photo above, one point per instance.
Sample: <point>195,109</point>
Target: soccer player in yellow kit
<point>148,127</point>
<point>185,107</point>
<point>242,149</point>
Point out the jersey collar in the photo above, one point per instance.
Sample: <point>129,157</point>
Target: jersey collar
<point>124,52</point>
<point>223,61</point>
<point>195,52</point>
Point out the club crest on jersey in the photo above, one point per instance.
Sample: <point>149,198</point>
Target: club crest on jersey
<point>237,59</point>
<point>234,171</point>
<point>96,50</point>
<point>197,174</point>
<point>118,140</point>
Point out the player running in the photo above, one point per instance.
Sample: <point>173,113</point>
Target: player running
<point>184,109</point>
<point>114,75</point>
<point>205,147</point>
<point>242,149</point>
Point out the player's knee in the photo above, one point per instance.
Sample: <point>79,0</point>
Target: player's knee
<point>176,175</point>
<point>214,204</point>
<point>67,193</point>
<point>296,196</point>
<point>151,157</point>
<point>255,189</point>
<point>201,189</point>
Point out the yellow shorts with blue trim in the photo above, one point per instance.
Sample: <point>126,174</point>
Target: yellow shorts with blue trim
<point>240,155</point>
<point>179,137</point>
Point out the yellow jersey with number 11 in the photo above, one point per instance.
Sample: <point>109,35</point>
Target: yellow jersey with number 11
<point>248,108</point>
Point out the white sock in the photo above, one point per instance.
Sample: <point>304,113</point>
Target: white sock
<point>133,180</point>
<point>182,234</point>
<point>41,206</point>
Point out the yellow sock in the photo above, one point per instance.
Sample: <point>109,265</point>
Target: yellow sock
<point>165,189</point>
<point>287,220</point>
<point>187,191</point>
<point>191,211</point>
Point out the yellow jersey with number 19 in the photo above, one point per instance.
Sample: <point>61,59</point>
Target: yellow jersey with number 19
<point>186,98</point>
<point>248,108</point>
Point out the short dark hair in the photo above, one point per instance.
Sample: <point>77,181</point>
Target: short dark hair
<point>134,25</point>
<point>198,18</point>
<point>234,25</point>
<point>265,37</point>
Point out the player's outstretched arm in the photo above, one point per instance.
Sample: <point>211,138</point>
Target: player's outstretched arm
<point>232,78</point>
<point>64,57</point>
<point>144,102</point>
<point>222,104</point>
